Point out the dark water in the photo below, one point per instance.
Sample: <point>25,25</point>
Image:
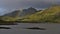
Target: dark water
<point>20,29</point>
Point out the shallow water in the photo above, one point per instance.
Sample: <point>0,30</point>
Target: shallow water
<point>20,29</point>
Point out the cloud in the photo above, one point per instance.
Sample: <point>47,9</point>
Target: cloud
<point>25,3</point>
<point>20,4</point>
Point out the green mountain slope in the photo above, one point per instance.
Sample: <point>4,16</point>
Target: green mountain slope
<point>51,14</point>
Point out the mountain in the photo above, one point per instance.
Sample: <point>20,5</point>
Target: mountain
<point>13,14</point>
<point>24,12</point>
<point>51,14</point>
<point>17,14</point>
<point>28,11</point>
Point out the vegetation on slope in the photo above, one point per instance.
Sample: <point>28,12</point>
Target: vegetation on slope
<point>51,14</point>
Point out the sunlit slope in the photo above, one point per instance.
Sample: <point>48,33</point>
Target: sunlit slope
<point>51,14</point>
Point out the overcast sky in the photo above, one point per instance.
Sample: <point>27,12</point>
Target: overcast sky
<point>20,4</point>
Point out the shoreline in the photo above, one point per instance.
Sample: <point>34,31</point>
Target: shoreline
<point>16,22</point>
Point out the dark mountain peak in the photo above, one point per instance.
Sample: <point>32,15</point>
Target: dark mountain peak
<point>28,11</point>
<point>31,8</point>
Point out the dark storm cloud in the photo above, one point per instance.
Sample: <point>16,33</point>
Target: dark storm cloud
<point>20,4</point>
<point>26,3</point>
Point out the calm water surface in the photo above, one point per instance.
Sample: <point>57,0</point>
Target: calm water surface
<point>20,29</point>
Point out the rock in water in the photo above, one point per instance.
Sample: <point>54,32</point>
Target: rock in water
<point>37,28</point>
<point>5,28</point>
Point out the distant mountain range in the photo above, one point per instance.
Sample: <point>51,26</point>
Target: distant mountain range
<point>22,13</point>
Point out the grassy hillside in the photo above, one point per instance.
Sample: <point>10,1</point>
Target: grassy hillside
<point>51,14</point>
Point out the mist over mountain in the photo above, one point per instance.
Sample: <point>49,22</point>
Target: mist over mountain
<point>13,14</point>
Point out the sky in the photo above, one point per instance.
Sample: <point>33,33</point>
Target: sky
<point>7,6</point>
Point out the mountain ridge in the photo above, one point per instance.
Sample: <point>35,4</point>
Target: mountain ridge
<point>22,13</point>
<point>51,14</point>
